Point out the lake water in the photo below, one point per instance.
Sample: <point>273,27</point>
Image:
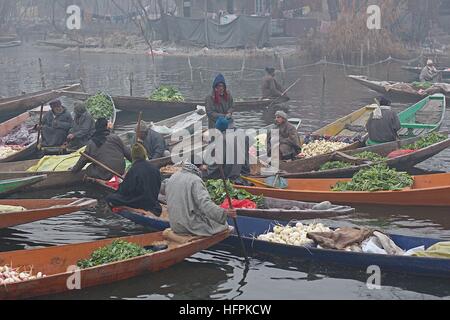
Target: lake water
<point>219,273</point>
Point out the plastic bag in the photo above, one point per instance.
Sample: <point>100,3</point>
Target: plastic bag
<point>373,245</point>
<point>239,204</point>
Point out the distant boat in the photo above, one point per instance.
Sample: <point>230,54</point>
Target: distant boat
<point>10,44</point>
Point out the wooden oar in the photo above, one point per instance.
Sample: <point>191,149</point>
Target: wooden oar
<point>230,202</point>
<point>40,127</point>
<point>138,129</point>
<point>284,93</point>
<point>102,165</point>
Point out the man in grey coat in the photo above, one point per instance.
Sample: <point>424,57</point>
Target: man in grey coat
<point>83,127</point>
<point>56,125</point>
<point>191,209</point>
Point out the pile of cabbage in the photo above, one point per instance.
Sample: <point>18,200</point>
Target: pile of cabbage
<point>167,93</point>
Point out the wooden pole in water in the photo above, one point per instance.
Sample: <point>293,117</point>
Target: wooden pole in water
<point>362,55</point>
<point>283,69</point>
<point>40,127</point>
<point>192,71</point>
<point>324,81</point>
<point>41,71</point>
<point>243,67</point>
<point>131,79</point>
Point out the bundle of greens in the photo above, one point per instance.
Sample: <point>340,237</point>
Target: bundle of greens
<point>117,251</point>
<point>218,194</point>
<point>426,141</point>
<point>376,178</point>
<point>331,165</point>
<point>167,93</point>
<point>422,85</point>
<point>100,106</point>
<point>367,155</point>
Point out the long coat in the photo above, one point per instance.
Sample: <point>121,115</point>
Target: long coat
<point>55,128</point>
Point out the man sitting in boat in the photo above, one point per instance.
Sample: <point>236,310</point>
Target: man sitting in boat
<point>191,210</point>
<point>108,149</point>
<point>56,125</point>
<point>220,103</point>
<point>429,72</point>
<point>271,89</point>
<point>83,127</point>
<point>383,124</point>
<point>290,143</point>
<point>153,142</point>
<point>141,187</point>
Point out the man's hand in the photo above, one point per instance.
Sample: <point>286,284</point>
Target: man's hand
<point>231,213</point>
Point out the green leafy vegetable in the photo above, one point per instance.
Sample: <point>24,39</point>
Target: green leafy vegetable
<point>367,155</point>
<point>100,106</point>
<point>331,165</point>
<point>166,93</point>
<point>422,85</point>
<point>218,194</point>
<point>117,251</point>
<point>426,141</point>
<point>376,178</point>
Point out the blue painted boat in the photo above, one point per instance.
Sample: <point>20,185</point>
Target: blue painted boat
<point>251,227</point>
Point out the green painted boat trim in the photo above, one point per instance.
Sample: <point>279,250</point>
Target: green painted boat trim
<point>13,185</point>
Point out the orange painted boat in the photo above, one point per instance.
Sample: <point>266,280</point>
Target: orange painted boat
<point>55,262</point>
<point>40,209</point>
<point>428,190</point>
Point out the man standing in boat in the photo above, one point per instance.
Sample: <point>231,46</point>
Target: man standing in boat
<point>429,72</point>
<point>83,127</point>
<point>383,124</point>
<point>220,103</point>
<point>56,125</point>
<point>271,89</point>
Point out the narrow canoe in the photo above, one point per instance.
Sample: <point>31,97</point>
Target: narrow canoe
<point>58,179</point>
<point>428,191</point>
<point>351,127</point>
<point>32,100</point>
<point>274,209</point>
<point>394,94</point>
<point>310,169</point>
<point>138,104</point>
<point>65,44</point>
<point>16,184</point>
<point>250,228</point>
<point>423,117</point>
<point>418,70</point>
<point>55,263</point>
<point>8,126</point>
<point>40,209</point>
<point>10,44</point>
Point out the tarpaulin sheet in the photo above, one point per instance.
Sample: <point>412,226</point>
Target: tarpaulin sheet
<point>245,31</point>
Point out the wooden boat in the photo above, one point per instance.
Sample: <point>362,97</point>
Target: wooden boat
<point>274,209</point>
<point>428,191</point>
<point>54,262</point>
<point>60,179</point>
<point>40,209</point>
<point>8,38</point>
<point>13,185</point>
<point>8,126</point>
<point>251,227</point>
<point>10,44</point>
<point>394,94</point>
<point>65,44</point>
<point>423,117</point>
<point>138,104</point>
<point>418,70</point>
<point>310,168</point>
<point>32,100</point>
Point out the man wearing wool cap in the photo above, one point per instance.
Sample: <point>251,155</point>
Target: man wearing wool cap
<point>290,144</point>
